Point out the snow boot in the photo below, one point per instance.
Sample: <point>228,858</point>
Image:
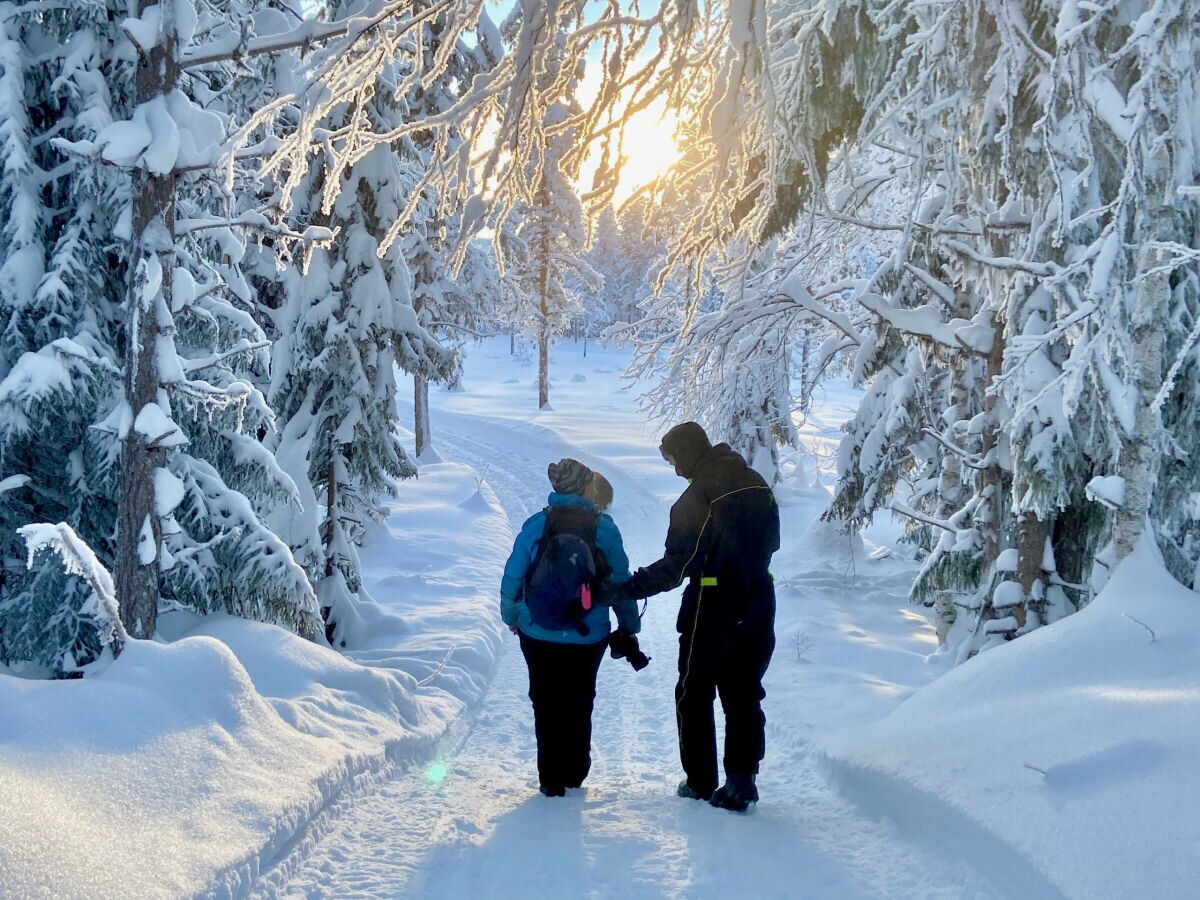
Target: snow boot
<point>688,792</point>
<point>736,794</point>
<point>551,790</point>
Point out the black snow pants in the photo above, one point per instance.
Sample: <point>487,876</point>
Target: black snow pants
<point>727,636</point>
<point>562,686</point>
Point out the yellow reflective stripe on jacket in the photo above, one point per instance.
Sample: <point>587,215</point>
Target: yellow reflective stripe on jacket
<point>708,581</point>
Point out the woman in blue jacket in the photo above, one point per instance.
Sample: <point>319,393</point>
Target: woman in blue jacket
<point>563,661</point>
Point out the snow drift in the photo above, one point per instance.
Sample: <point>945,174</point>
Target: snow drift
<point>1065,761</point>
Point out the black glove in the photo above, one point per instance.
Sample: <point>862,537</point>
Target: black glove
<point>623,644</point>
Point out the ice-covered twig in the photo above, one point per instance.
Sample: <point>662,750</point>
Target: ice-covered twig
<point>434,674</point>
<point>1153,636</point>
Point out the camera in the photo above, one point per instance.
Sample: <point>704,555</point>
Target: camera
<point>624,645</point>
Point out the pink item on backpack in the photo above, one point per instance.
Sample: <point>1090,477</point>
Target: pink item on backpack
<point>585,596</point>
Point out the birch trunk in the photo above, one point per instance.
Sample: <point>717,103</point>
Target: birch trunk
<point>1140,449</point>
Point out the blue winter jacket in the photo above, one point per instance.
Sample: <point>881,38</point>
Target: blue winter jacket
<point>596,620</point>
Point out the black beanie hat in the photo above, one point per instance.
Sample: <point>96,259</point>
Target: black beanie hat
<point>686,443</point>
<point>569,476</point>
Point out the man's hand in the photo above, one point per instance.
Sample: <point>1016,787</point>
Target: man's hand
<point>617,593</point>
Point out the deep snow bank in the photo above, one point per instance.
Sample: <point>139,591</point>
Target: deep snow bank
<point>190,766</point>
<point>1065,761</point>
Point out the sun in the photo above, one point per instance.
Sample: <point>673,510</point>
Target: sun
<point>649,149</point>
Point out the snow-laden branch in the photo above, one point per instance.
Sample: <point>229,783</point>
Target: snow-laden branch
<point>256,221</point>
<point>1006,263</point>
<point>910,513</point>
<point>78,559</point>
<point>971,460</point>
<point>304,35</point>
<point>242,346</point>
<point>927,321</point>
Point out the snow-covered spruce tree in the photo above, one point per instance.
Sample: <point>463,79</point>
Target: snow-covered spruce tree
<point>127,150</point>
<point>625,255</point>
<point>92,631</point>
<point>219,549</point>
<point>1041,380</point>
<point>60,283</point>
<point>340,328</point>
<point>938,297</point>
<point>612,300</point>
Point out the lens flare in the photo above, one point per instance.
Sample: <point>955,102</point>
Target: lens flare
<point>435,773</point>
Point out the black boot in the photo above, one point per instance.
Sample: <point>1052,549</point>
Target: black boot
<point>736,794</point>
<point>688,792</point>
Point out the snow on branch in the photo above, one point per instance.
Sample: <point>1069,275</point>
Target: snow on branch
<point>256,221</point>
<point>925,321</point>
<point>1042,269</point>
<point>79,559</point>
<point>243,346</point>
<point>304,35</point>
<point>903,510</point>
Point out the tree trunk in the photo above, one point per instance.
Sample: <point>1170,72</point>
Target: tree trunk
<point>1032,532</point>
<point>543,364</point>
<point>1139,461</point>
<point>992,481</point>
<point>544,325</point>
<point>138,529</point>
<point>421,414</point>
<point>993,474</point>
<point>331,499</point>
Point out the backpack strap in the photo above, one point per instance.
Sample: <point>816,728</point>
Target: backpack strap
<point>541,546</point>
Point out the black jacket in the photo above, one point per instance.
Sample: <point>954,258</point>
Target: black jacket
<point>725,526</point>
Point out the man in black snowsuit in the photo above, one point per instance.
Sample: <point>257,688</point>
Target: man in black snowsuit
<point>723,531</point>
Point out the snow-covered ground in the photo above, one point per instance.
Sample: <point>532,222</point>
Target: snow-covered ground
<point>237,759</point>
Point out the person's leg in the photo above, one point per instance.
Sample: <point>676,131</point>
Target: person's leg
<point>739,682</point>
<point>578,676</point>
<point>545,692</point>
<point>742,693</point>
<point>694,695</point>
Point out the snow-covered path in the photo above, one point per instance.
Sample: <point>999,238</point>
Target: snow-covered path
<point>473,824</point>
